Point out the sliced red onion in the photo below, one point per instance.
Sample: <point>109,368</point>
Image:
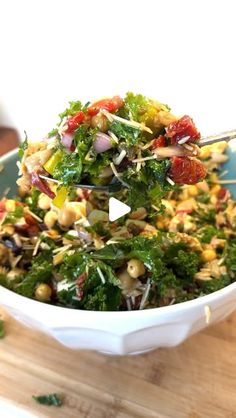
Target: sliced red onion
<point>86,236</point>
<point>102,142</point>
<point>41,185</point>
<point>67,140</point>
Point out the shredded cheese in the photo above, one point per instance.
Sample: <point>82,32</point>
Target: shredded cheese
<point>101,275</point>
<point>183,140</point>
<point>117,160</point>
<point>230,181</point>
<point>131,123</point>
<point>170,181</point>
<point>223,173</point>
<point>114,137</point>
<point>188,147</point>
<point>34,216</point>
<point>50,179</point>
<point>128,304</point>
<point>62,249</point>
<point>117,175</point>
<point>145,295</point>
<point>36,247</point>
<point>140,160</point>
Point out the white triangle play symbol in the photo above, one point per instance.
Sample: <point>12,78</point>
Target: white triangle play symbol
<point>117,209</point>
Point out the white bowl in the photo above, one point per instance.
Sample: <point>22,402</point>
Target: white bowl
<point>117,332</point>
<point>121,332</point>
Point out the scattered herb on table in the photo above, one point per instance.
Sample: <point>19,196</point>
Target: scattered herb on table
<point>2,330</point>
<point>52,399</point>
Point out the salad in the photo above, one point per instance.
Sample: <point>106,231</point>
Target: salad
<point>135,142</point>
<point>177,243</point>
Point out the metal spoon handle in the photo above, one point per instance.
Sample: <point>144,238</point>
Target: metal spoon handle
<point>223,136</point>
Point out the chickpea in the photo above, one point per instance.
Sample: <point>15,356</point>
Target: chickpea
<point>67,216</point>
<point>140,213</point>
<point>193,191</point>
<point>50,219</point>
<point>126,280</point>
<point>208,255</point>
<point>10,205</point>
<point>135,268</point>
<point>98,216</point>
<point>44,201</point>
<point>43,292</point>
<point>99,121</point>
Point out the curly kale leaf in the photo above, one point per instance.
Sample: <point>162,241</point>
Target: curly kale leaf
<point>103,298</point>
<point>74,107</point>
<point>148,186</point>
<point>52,399</point>
<point>69,169</point>
<point>40,272</point>
<point>2,331</point>
<point>185,264</point>
<point>206,233</point>
<point>135,105</point>
<point>214,285</point>
<point>157,170</point>
<point>23,146</point>
<point>12,217</point>
<point>129,134</point>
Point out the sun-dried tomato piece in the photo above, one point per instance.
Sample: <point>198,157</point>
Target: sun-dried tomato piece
<point>185,170</point>
<point>159,142</point>
<point>223,194</point>
<point>80,285</point>
<point>184,127</point>
<point>110,104</point>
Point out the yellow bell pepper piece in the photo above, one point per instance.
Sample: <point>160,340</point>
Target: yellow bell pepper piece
<point>60,197</point>
<point>50,165</point>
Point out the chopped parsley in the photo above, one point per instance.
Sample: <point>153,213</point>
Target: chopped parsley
<point>2,330</point>
<point>13,217</point>
<point>52,399</point>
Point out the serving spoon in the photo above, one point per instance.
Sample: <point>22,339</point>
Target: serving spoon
<point>116,184</point>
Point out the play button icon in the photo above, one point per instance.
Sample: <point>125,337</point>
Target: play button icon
<point>117,209</point>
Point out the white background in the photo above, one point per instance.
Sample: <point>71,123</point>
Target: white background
<point>180,52</point>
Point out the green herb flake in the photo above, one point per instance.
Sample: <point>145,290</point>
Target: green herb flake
<point>74,107</point>
<point>69,169</point>
<point>12,217</point>
<point>23,146</point>
<point>52,399</point>
<point>129,134</point>
<point>2,330</point>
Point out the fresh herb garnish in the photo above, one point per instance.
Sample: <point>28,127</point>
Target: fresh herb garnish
<point>23,146</point>
<point>2,330</point>
<point>52,399</point>
<point>12,217</point>
<point>69,169</point>
<point>40,272</point>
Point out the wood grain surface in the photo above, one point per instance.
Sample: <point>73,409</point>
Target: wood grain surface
<point>194,380</point>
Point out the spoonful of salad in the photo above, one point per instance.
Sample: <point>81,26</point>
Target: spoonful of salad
<point>133,143</point>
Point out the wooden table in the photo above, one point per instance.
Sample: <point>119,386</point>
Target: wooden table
<point>194,380</point>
